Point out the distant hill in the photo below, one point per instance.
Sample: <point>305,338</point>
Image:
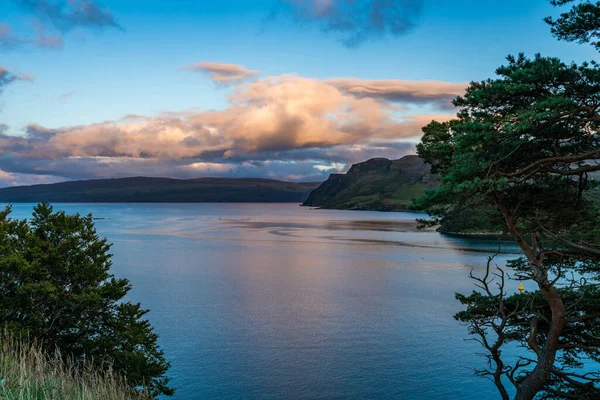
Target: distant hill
<point>161,190</point>
<point>377,184</point>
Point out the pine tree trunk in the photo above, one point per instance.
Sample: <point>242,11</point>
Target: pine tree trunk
<point>536,381</point>
<point>546,352</point>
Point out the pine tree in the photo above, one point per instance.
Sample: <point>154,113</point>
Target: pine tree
<point>527,144</point>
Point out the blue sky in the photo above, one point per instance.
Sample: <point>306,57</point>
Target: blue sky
<point>76,79</point>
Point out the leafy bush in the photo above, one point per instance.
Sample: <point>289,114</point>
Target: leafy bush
<point>56,287</point>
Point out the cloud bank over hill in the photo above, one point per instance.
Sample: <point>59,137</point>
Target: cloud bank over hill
<point>285,127</point>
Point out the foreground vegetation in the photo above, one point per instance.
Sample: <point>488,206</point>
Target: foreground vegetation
<point>56,287</point>
<point>27,372</point>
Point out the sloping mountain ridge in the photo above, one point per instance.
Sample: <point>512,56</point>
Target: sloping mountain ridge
<point>378,184</point>
<point>162,190</point>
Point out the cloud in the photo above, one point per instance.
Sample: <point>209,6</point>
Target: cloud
<point>356,21</point>
<point>67,15</point>
<point>8,40</point>
<point>52,19</point>
<point>108,167</point>
<point>64,97</point>
<point>292,164</point>
<point>286,127</point>
<point>47,40</point>
<point>11,179</point>
<point>7,78</point>
<point>404,91</point>
<point>43,39</point>
<point>224,74</point>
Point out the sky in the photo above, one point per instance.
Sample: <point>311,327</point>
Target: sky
<point>283,89</point>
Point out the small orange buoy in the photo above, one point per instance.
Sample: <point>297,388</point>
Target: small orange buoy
<point>521,288</point>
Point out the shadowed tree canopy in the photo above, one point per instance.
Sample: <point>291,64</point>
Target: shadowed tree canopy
<point>527,144</point>
<point>56,286</point>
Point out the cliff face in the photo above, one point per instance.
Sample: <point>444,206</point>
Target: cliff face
<point>377,184</point>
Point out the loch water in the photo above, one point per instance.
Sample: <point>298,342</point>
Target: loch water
<point>277,301</point>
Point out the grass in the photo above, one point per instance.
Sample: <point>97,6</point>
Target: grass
<point>27,373</point>
<point>399,199</point>
<point>407,193</point>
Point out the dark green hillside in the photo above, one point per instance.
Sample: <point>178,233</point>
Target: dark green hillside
<point>161,190</point>
<point>377,184</point>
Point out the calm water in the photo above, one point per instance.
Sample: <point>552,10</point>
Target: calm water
<point>279,301</point>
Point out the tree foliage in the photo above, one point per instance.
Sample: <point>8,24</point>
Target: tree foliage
<point>56,286</point>
<point>580,24</point>
<point>526,144</point>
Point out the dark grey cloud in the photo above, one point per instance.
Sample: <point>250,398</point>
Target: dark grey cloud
<point>38,132</point>
<point>7,77</point>
<point>39,153</point>
<point>346,154</point>
<point>52,19</point>
<point>67,15</point>
<point>356,21</point>
<point>20,160</point>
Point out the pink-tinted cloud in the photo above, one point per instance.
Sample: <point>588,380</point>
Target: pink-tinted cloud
<point>404,91</point>
<point>8,40</point>
<point>272,114</point>
<point>42,39</point>
<point>16,179</point>
<point>47,40</point>
<point>224,74</point>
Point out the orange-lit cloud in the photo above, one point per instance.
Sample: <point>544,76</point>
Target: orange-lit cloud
<point>225,74</point>
<point>273,114</point>
<point>285,125</point>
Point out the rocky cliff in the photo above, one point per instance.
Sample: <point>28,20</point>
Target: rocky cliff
<point>377,184</point>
